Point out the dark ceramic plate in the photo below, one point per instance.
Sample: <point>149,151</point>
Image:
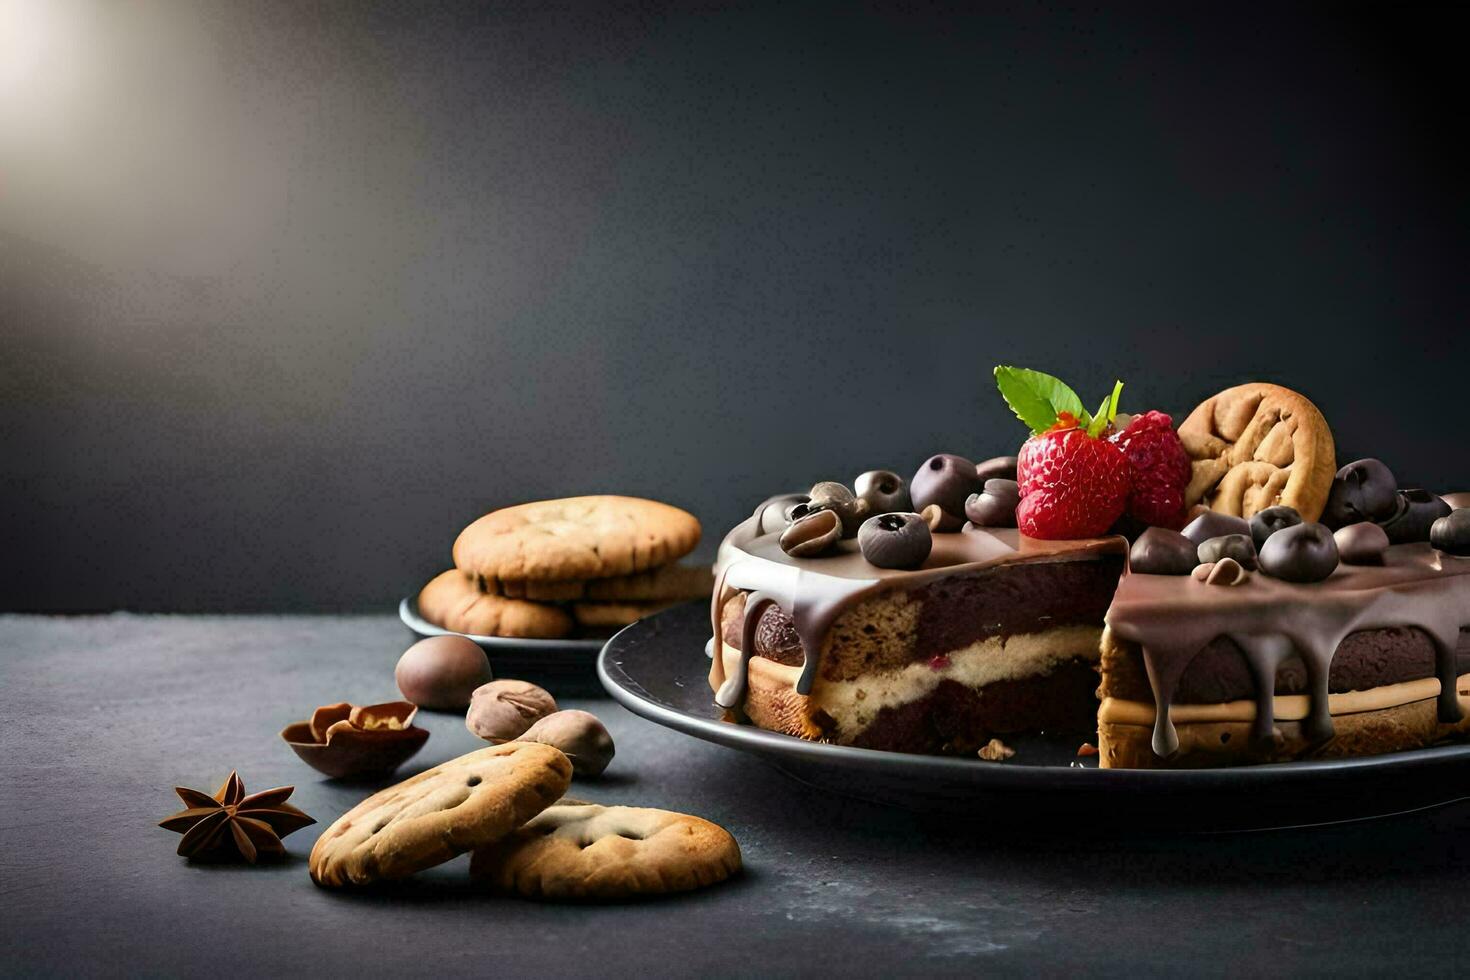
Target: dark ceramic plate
<point>563,665</point>
<point>657,669</point>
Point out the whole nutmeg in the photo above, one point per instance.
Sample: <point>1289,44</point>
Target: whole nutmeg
<point>1226,571</point>
<point>441,672</point>
<point>1212,524</point>
<point>776,512</point>
<point>842,502</point>
<point>997,468</point>
<point>502,710</point>
<point>1237,546</point>
<point>1160,551</point>
<point>994,506</point>
<point>1363,543</point>
<point>895,540</point>
<point>1415,514</point>
<point>1363,490</point>
<point>811,534</point>
<point>946,480</point>
<point>580,736</point>
<point>1303,553</point>
<point>884,492</point>
<point>1451,534</point>
<point>1267,522</point>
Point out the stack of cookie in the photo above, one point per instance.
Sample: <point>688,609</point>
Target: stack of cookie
<point>579,566</point>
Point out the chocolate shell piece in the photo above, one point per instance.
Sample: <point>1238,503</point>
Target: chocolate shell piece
<point>1239,547</point>
<point>1267,522</point>
<point>1459,500</point>
<point>995,506</point>
<point>347,741</point>
<point>1160,551</point>
<point>1363,543</point>
<point>997,468</point>
<point>1212,524</point>
<point>1304,553</point>
<point>1416,512</point>
<point>1451,534</point>
<point>1364,490</point>
<point>946,480</point>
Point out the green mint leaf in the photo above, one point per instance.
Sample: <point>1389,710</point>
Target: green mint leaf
<point>1036,398</point>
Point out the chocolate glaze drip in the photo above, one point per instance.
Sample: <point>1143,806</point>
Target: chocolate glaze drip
<point>816,591</point>
<point>1173,618</point>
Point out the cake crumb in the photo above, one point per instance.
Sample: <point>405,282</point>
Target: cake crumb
<point>1087,749</point>
<point>995,751</point>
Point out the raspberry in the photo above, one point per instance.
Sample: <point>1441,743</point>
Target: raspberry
<point>1159,469</point>
<point>1072,485</point>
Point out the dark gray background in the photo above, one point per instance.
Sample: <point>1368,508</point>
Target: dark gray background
<point>290,292</point>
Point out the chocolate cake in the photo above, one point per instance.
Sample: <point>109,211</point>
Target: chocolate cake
<point>1056,592</point>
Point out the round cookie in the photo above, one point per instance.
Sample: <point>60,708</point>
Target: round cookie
<point>584,851</point>
<point>604,614</point>
<point>442,812</point>
<point>1256,446</point>
<point>668,583</point>
<point>453,601</point>
<point>575,538</point>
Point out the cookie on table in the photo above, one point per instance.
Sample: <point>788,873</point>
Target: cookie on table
<point>575,538</point>
<point>584,851</point>
<point>667,583</point>
<point>601,615</point>
<point>443,812</point>
<point>453,600</point>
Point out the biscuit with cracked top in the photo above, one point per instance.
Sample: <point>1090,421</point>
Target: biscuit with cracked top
<point>452,600</point>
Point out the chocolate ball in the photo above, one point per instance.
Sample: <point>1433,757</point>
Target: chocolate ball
<point>776,512</point>
<point>502,710</point>
<point>1160,551</point>
<point>1267,522</point>
<point>884,491</point>
<point>441,672</point>
<point>946,480</point>
<point>1416,512</point>
<point>842,502</point>
<point>997,468</point>
<point>1301,553</point>
<point>1237,546</point>
<point>995,506</point>
<point>811,534</point>
<point>1364,490</point>
<point>895,540</point>
<point>580,736</point>
<point>1451,534</point>
<point>1212,524</point>
<point>1459,500</point>
<point>1362,543</point>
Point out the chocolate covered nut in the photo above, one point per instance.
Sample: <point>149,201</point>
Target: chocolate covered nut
<point>811,534</point>
<point>1457,501</point>
<point>1362,543</point>
<point>1416,512</point>
<point>995,506</point>
<point>842,502</point>
<point>997,468</point>
<point>580,736</point>
<point>502,710</point>
<point>1212,524</point>
<point>1364,490</point>
<point>441,672</point>
<point>884,491</point>
<point>1240,547</point>
<point>776,513</point>
<point>1160,551</point>
<point>946,480</point>
<point>1451,534</point>
<point>1226,571</point>
<point>895,540</point>
<point>1303,553</point>
<point>1267,522</point>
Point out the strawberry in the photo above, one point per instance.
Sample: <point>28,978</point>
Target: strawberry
<point>1159,470</point>
<point>1074,482</point>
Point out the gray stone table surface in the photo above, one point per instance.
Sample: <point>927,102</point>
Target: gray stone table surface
<point>102,716</point>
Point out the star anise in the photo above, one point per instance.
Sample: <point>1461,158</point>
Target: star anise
<point>230,823</point>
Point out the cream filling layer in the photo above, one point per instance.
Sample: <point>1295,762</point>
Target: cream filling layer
<point>854,704</point>
<point>1288,707</point>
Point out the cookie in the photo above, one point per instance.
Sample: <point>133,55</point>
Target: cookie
<point>668,583</point>
<point>1258,445</point>
<point>453,601</point>
<point>601,615</point>
<point>575,538</point>
<point>456,807</point>
<point>590,852</point>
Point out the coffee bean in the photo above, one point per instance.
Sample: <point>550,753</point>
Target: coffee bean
<point>812,534</point>
<point>1302,553</point>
